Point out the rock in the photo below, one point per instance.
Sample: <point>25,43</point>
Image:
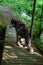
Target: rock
<point>26,16</point>
<point>10,36</point>
<point>6,12</point>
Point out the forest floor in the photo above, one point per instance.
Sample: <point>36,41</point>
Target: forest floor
<point>14,55</point>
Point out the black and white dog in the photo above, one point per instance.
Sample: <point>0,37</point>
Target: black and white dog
<point>22,31</point>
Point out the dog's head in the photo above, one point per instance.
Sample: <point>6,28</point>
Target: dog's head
<point>14,22</point>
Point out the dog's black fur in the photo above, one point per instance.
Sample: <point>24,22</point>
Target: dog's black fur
<point>21,30</point>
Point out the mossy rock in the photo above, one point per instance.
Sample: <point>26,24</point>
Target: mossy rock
<point>3,21</point>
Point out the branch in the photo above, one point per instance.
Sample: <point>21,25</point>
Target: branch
<point>31,28</point>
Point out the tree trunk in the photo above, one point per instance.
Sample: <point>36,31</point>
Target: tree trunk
<point>31,28</point>
<point>41,16</point>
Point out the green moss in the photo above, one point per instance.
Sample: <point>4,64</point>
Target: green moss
<point>3,22</point>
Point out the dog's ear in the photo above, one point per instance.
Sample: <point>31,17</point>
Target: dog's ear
<point>12,21</point>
